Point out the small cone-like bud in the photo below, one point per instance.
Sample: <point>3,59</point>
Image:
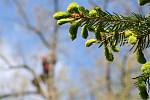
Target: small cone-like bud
<point>128,33</point>
<point>60,15</point>
<point>84,31</point>
<point>93,13</point>
<point>145,67</point>
<point>143,2</point>
<point>98,8</point>
<point>89,42</point>
<point>115,49</point>
<point>74,29</point>
<point>81,9</point>
<point>73,7</point>
<point>64,21</point>
<point>108,54</point>
<point>132,39</point>
<point>143,90</point>
<point>140,57</point>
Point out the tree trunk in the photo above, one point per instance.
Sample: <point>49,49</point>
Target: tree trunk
<point>52,90</point>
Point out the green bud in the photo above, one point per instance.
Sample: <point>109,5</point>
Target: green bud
<point>98,8</point>
<point>74,29</point>
<point>114,48</point>
<point>84,31</point>
<point>81,9</point>
<point>93,13</point>
<point>140,57</point>
<point>108,54</point>
<point>73,7</point>
<point>143,2</point>
<point>128,33</point>
<point>143,90</point>
<point>89,42</point>
<point>64,21</point>
<point>60,15</point>
<point>132,39</point>
<point>97,33</point>
<point>84,11</point>
<point>91,28</point>
<point>145,67</point>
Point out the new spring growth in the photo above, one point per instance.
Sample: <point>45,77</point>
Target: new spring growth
<point>143,2</point>
<point>131,36</point>
<point>73,7</point>
<point>140,57</point>
<point>105,26</point>
<point>146,68</point>
<point>108,54</point>
<point>128,33</point>
<point>110,31</point>
<point>93,13</point>
<point>60,15</point>
<point>84,31</point>
<point>89,42</point>
<point>74,29</point>
<point>64,21</point>
<point>142,81</point>
<point>143,90</point>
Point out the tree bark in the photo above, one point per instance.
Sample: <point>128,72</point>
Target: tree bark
<point>52,90</point>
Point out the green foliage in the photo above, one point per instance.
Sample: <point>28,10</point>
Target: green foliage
<point>111,31</point>
<point>108,54</point>
<point>146,68</point>
<point>128,33</point>
<point>74,29</point>
<point>111,28</point>
<point>143,2</point>
<point>142,81</point>
<point>114,48</point>
<point>73,7</point>
<point>93,13</point>
<point>98,33</point>
<point>84,31</point>
<point>132,39</point>
<point>60,15</point>
<point>140,57</point>
<point>63,21</point>
<point>89,42</point>
<point>142,90</point>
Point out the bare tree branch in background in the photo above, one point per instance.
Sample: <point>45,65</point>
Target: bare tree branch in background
<point>51,44</point>
<point>28,25</point>
<point>108,80</point>
<point>52,90</point>
<point>2,57</point>
<point>26,67</point>
<point>18,94</point>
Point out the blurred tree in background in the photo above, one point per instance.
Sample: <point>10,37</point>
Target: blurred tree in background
<point>39,62</point>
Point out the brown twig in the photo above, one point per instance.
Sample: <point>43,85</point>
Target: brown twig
<point>18,94</point>
<point>39,87</point>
